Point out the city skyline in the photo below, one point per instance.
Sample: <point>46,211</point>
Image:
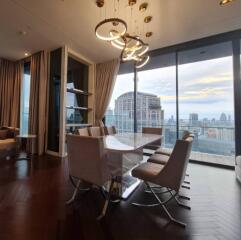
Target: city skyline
<point>205,85</point>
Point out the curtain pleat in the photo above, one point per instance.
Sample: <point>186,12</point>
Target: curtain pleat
<point>15,118</point>
<point>37,102</point>
<point>106,74</point>
<point>10,85</point>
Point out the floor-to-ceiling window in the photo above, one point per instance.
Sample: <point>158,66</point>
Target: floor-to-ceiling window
<point>189,86</point>
<point>206,108</point>
<point>25,94</point>
<point>120,112</point>
<point>156,98</point>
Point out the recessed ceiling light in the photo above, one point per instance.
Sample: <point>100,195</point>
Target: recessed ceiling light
<point>223,2</point>
<point>26,54</point>
<point>22,33</point>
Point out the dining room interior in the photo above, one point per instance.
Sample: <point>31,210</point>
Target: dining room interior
<point>120,119</point>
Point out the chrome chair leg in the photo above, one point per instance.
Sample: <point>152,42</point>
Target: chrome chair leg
<point>74,193</point>
<point>184,197</point>
<point>165,209</point>
<point>187,187</point>
<point>107,201</point>
<point>179,203</point>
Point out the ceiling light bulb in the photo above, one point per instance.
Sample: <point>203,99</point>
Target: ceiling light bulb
<point>143,7</point>
<point>26,54</point>
<point>223,2</point>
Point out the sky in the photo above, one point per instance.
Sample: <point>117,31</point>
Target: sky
<point>205,87</point>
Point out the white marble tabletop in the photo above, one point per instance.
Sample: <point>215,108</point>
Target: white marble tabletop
<point>26,136</point>
<point>127,142</point>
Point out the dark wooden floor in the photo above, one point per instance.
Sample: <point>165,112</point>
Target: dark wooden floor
<point>32,207</point>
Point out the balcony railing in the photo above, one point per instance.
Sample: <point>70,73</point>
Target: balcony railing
<point>213,142</point>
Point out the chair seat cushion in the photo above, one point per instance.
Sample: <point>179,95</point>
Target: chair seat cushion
<point>147,171</point>
<point>159,159</point>
<point>167,152</point>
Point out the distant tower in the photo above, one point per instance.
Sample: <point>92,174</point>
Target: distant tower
<point>193,119</point>
<point>223,117</point>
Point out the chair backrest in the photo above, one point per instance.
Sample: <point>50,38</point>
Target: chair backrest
<point>109,130</point>
<point>95,131</point>
<point>174,171</point>
<point>186,134</point>
<point>82,132</point>
<point>87,160</point>
<point>151,130</point>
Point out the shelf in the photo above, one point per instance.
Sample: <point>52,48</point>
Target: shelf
<point>79,108</point>
<point>77,125</point>
<point>78,91</point>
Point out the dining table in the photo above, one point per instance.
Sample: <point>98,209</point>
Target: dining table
<point>124,152</point>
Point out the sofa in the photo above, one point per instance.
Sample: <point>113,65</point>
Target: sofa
<point>8,141</point>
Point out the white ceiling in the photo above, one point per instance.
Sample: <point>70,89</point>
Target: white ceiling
<point>53,23</point>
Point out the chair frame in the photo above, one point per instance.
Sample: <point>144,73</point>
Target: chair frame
<point>163,203</point>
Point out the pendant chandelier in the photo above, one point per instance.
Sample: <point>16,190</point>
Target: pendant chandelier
<point>114,30</point>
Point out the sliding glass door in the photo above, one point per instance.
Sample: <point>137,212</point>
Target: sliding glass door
<point>206,107</point>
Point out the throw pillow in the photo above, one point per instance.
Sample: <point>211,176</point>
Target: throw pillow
<point>3,134</point>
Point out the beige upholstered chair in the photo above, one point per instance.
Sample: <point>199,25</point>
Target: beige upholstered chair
<point>109,130</point>
<point>155,145</point>
<point>87,162</point>
<point>170,175</point>
<point>83,132</point>
<point>95,131</point>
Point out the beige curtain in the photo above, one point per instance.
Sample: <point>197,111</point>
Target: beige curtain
<point>106,74</point>
<point>10,85</point>
<point>38,99</point>
<point>15,116</point>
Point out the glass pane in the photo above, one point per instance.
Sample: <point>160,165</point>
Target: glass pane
<point>76,116</point>
<point>156,101</point>
<point>77,75</point>
<point>121,107</point>
<point>54,100</point>
<point>25,94</point>
<point>206,101</point>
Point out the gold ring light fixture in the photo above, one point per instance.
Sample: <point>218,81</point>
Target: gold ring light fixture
<point>114,25</point>
<point>114,30</point>
<point>142,61</point>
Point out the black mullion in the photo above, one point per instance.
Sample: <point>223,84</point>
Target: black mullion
<point>135,98</point>
<point>177,96</point>
<point>237,94</point>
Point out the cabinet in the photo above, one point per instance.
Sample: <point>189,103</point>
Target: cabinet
<point>75,108</point>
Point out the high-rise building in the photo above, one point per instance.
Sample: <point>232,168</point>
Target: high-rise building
<point>193,119</point>
<point>149,111</point>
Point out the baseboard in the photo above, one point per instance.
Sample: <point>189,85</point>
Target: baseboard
<point>212,164</point>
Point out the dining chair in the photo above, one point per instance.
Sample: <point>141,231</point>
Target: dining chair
<point>83,132</point>
<point>170,176</point>
<point>95,131</point>
<point>109,130</point>
<point>87,162</point>
<point>155,145</point>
